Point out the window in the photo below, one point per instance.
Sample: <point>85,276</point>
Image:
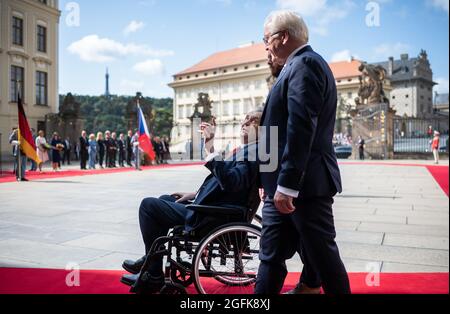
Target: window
<point>235,87</point>
<point>247,105</point>
<point>17,77</point>
<point>257,84</point>
<point>393,97</point>
<point>17,31</point>
<point>41,38</point>
<point>236,107</point>
<point>226,108</point>
<point>188,110</point>
<point>349,95</point>
<point>43,1</point>
<point>407,96</point>
<point>41,88</point>
<point>180,112</point>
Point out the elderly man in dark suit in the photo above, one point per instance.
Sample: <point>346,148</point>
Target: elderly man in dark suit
<point>232,182</point>
<point>84,145</point>
<point>298,208</point>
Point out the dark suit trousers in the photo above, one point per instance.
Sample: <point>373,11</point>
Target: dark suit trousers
<point>83,158</point>
<point>311,227</point>
<point>156,217</point>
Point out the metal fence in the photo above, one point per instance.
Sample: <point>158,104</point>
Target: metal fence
<point>370,123</point>
<point>412,135</point>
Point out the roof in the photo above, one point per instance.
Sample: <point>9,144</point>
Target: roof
<point>242,55</point>
<point>403,69</point>
<point>257,52</point>
<point>344,69</point>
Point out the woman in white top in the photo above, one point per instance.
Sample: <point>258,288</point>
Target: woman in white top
<point>41,148</point>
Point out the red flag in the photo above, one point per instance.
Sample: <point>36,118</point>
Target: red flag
<point>27,144</point>
<point>144,137</point>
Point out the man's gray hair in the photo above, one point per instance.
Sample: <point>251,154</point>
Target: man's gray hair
<point>288,21</point>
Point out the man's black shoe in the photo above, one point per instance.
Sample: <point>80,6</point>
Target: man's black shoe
<point>129,279</point>
<point>151,284</point>
<point>133,267</point>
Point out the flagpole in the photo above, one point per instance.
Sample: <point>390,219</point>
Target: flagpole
<point>19,161</point>
<point>138,153</point>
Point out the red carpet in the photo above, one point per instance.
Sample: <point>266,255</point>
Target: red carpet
<point>53,281</point>
<point>440,174</point>
<point>49,174</point>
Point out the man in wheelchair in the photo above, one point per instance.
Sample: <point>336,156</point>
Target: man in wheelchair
<point>231,183</point>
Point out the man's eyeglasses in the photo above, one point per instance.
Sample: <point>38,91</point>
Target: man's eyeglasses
<point>266,40</point>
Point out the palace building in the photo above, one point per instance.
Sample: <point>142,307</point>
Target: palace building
<point>28,63</point>
<point>236,81</point>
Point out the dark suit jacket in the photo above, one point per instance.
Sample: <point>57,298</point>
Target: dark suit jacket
<point>84,145</point>
<point>302,104</point>
<point>232,183</point>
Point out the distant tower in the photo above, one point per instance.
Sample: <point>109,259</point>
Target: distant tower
<point>107,83</point>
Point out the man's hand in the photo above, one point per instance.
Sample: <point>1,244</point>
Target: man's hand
<point>262,194</point>
<point>284,203</point>
<point>183,197</point>
<point>208,130</point>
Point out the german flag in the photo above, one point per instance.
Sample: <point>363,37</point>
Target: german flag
<point>27,145</point>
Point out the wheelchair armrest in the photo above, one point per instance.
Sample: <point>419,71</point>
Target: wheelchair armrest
<point>216,210</point>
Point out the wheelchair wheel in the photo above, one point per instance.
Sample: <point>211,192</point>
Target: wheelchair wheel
<point>226,261</point>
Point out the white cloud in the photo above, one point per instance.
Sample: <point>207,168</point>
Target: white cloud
<point>391,50</point>
<point>344,55</point>
<point>442,86</point>
<point>149,67</point>
<point>439,4</point>
<point>92,48</point>
<point>133,27</point>
<point>320,12</point>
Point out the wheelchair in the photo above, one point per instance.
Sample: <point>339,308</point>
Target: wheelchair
<point>219,258</point>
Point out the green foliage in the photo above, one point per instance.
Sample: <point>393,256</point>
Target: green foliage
<point>102,113</point>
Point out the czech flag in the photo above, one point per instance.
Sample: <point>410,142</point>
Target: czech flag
<point>144,137</point>
<point>27,145</point>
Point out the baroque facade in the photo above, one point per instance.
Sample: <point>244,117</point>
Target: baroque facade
<point>236,82</point>
<point>28,63</point>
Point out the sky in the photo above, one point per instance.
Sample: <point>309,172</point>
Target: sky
<point>143,43</point>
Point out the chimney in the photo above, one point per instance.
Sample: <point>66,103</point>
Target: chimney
<point>390,69</point>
